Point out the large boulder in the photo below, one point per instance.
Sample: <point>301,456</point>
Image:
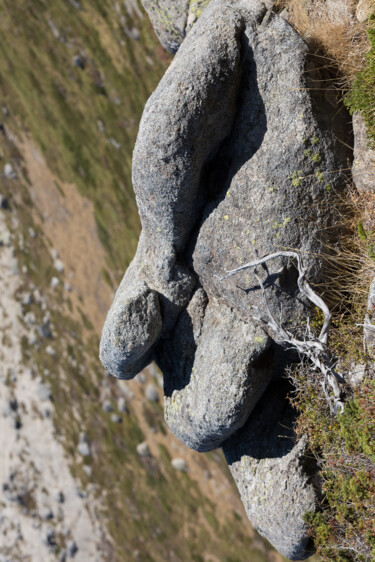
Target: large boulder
<point>237,157</point>
<point>277,480</point>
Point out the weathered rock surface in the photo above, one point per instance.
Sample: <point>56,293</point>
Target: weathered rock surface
<point>273,475</point>
<point>364,157</point>
<point>169,19</point>
<point>214,373</point>
<point>236,157</point>
<point>172,19</point>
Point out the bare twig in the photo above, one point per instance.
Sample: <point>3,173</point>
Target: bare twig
<point>314,348</point>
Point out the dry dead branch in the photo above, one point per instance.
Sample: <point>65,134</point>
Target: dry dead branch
<point>314,348</point>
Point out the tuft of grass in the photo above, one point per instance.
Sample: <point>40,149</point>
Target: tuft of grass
<point>362,94</point>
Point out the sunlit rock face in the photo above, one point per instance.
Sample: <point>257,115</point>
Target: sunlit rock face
<point>236,158</point>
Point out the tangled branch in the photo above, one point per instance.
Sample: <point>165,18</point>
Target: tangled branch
<point>314,348</point>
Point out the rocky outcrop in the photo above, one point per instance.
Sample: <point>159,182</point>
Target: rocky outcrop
<point>276,481</point>
<point>236,158</point>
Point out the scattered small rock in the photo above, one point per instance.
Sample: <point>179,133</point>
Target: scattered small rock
<point>14,267</point>
<point>45,329</point>
<point>107,406</point>
<point>60,498</point>
<point>29,318</point>
<point>50,351</point>
<point>27,299</point>
<point>4,202</point>
<point>84,449</point>
<point>46,513</point>
<point>5,111</point>
<point>121,405</point>
<point>101,126</point>
<point>31,232</point>
<point>79,62</point>
<point>9,171</point>
<point>151,393</point>
<point>115,418</point>
<point>72,549</point>
<point>49,537</point>
<point>55,281</point>
<point>88,470</point>
<point>67,287</point>
<point>5,239</point>
<point>114,143</point>
<point>143,449</point>
<point>32,338</point>
<point>59,266</point>
<point>180,464</point>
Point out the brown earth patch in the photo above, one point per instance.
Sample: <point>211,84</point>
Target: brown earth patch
<point>67,219</point>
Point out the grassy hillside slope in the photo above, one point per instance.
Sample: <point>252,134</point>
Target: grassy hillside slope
<point>74,77</point>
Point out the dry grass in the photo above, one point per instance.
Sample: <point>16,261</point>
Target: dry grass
<point>340,39</point>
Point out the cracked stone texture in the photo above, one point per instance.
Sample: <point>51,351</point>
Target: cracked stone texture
<point>214,373</point>
<point>236,157</point>
<point>275,479</point>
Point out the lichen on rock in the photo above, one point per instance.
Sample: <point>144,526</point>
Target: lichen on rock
<point>236,157</point>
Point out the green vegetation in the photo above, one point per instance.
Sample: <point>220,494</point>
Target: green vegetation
<point>344,530</point>
<point>77,82</point>
<point>362,94</point>
<point>72,113</point>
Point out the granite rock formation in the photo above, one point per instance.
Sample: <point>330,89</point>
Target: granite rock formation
<point>236,158</point>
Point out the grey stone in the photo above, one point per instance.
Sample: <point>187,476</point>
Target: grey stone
<point>9,171</point>
<point>107,406</point>
<point>143,449</point>
<point>14,266</point>
<point>58,265</point>
<point>132,326</point>
<point>4,202</point>
<point>363,169</point>
<point>168,18</point>
<point>180,465</point>
<point>215,370</point>
<point>50,351</point>
<point>79,62</point>
<point>369,322</point>
<point>273,475</point>
<point>49,537</point>
<point>152,393</point>
<point>55,282</point>
<point>84,449</point>
<point>46,513</point>
<point>45,329</point>
<point>30,318</point>
<point>27,299</point>
<point>121,405</point>
<point>115,418</point>
<point>72,549</point>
